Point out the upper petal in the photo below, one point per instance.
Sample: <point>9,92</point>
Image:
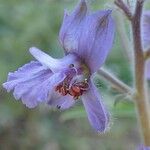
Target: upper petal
<point>72,26</point>
<point>96,39</point>
<point>146,29</point>
<point>88,35</point>
<point>32,83</point>
<point>54,64</point>
<point>96,111</point>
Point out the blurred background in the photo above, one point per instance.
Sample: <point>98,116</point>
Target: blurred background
<point>27,23</point>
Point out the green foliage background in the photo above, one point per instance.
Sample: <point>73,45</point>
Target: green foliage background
<point>26,23</point>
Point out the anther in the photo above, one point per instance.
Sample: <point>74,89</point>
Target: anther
<point>58,107</point>
<point>86,80</point>
<point>71,65</point>
<point>76,97</point>
<point>63,91</point>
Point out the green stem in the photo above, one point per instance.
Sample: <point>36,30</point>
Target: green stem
<point>118,84</point>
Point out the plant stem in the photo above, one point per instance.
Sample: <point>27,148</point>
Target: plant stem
<point>118,84</point>
<point>140,83</point>
<point>125,8</point>
<point>124,40</point>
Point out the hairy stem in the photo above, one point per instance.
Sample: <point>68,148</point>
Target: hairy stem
<point>118,84</point>
<point>124,40</point>
<point>140,84</point>
<point>141,98</point>
<point>125,8</point>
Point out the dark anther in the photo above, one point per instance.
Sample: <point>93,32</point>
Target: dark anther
<point>58,107</point>
<point>71,65</point>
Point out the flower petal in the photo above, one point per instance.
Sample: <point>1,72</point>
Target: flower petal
<point>61,102</point>
<point>72,26</point>
<point>97,113</point>
<point>41,92</point>
<point>22,74</point>
<point>96,39</point>
<point>88,35</point>
<point>147,70</point>
<point>146,29</point>
<point>145,39</point>
<point>32,83</point>
<point>142,147</point>
<point>54,64</point>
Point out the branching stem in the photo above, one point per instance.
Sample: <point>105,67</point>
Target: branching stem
<point>117,84</point>
<point>141,98</point>
<point>140,83</point>
<point>124,8</point>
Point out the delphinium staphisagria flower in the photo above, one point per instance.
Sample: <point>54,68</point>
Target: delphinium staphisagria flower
<point>142,147</point>
<point>86,39</point>
<point>146,38</point>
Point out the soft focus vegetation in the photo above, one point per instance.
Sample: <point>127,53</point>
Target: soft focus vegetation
<point>36,23</point>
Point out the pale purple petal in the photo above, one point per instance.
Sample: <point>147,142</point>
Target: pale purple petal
<point>88,35</point>
<point>55,65</point>
<point>147,69</point>
<point>72,26</point>
<point>96,39</point>
<point>142,147</point>
<point>146,29</point>
<point>61,102</point>
<point>22,74</point>
<point>32,83</point>
<point>97,113</point>
<point>146,39</point>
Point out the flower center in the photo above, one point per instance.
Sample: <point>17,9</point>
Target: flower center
<point>76,81</point>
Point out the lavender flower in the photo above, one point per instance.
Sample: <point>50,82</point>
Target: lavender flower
<point>146,29</point>
<point>87,39</point>
<point>142,147</point>
<point>146,39</point>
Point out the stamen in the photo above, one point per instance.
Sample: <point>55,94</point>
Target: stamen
<point>71,65</point>
<point>85,80</point>
<point>76,89</point>
<point>75,84</point>
<point>63,91</point>
<point>58,107</point>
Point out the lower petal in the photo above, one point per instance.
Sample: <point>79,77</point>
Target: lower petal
<point>61,102</point>
<point>97,113</point>
<point>32,83</point>
<point>40,92</point>
<point>23,74</point>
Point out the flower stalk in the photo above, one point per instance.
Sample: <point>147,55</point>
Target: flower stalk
<point>118,84</point>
